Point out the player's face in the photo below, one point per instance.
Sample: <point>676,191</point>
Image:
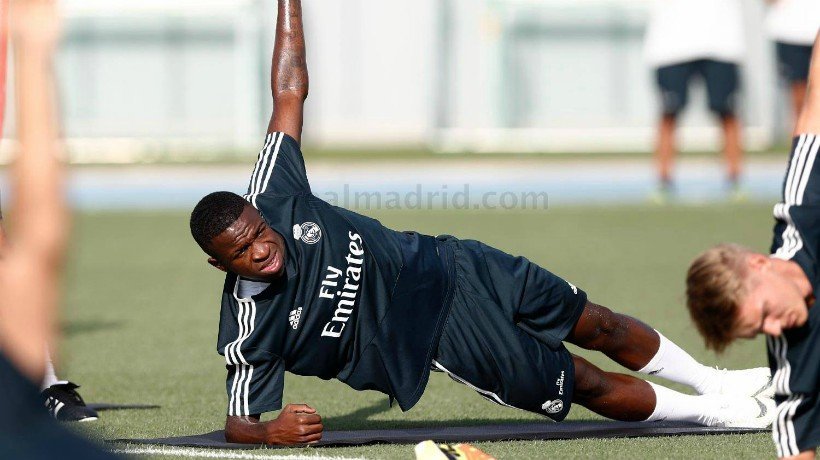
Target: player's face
<point>249,248</point>
<point>773,302</point>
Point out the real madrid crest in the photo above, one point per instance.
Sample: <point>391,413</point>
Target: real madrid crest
<point>553,407</point>
<point>308,232</point>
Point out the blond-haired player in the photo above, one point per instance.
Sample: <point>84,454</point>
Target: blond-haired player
<point>734,292</point>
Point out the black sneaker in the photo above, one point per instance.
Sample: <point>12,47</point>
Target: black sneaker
<point>65,404</point>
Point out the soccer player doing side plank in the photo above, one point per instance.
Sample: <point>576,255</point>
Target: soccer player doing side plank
<point>735,292</point>
<point>319,290</point>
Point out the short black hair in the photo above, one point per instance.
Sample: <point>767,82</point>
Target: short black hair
<point>213,214</point>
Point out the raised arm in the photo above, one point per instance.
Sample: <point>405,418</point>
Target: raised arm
<point>4,46</point>
<point>2,233</point>
<point>809,120</point>
<point>289,75</point>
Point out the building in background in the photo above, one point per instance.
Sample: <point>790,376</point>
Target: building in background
<point>554,75</point>
<point>146,79</point>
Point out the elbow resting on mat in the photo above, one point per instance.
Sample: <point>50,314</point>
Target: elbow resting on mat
<point>296,424</point>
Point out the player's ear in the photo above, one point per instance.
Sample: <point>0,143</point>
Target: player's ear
<point>756,261</point>
<point>215,263</point>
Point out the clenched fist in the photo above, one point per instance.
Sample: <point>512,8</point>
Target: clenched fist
<point>296,424</point>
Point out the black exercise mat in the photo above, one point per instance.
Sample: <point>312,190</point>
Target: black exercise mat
<point>114,406</point>
<point>507,432</point>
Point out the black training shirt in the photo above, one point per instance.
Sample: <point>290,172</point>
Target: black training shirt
<point>795,356</point>
<point>358,302</point>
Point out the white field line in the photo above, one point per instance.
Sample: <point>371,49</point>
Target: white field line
<point>201,453</point>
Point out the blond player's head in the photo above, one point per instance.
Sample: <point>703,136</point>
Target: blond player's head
<point>734,292</point>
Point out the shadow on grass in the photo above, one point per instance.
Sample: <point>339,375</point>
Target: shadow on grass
<point>75,328</point>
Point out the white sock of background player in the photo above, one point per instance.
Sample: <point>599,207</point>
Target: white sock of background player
<point>50,378</point>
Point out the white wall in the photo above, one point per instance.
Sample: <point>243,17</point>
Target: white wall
<point>372,70</point>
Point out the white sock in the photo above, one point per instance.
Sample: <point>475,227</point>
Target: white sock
<point>678,407</point>
<point>50,377</point>
<point>672,363</point>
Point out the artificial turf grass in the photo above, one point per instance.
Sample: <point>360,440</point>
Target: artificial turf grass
<point>680,447</point>
<point>142,307</point>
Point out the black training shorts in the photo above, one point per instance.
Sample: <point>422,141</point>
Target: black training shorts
<point>721,78</point>
<point>504,333</point>
<point>793,61</point>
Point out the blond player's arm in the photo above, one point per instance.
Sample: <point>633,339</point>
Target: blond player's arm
<point>32,263</point>
<point>2,232</point>
<point>809,120</point>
